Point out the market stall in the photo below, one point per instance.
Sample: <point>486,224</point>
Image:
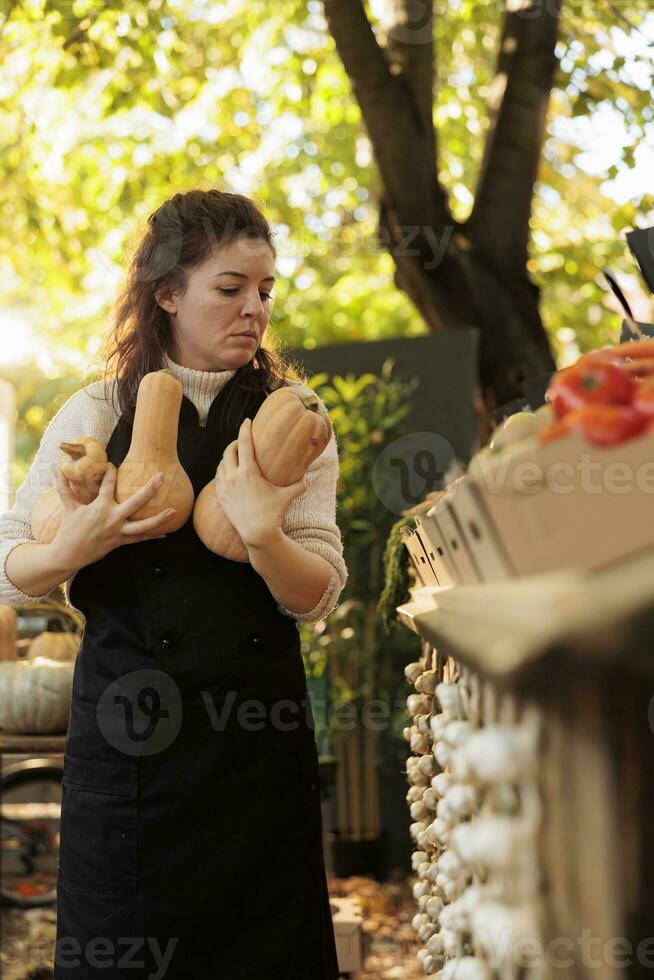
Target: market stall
<point>532,719</point>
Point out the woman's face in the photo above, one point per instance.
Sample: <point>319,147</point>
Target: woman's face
<point>227,295</point>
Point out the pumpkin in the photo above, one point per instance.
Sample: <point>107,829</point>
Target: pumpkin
<point>153,449</point>
<point>290,430</point>
<point>35,696</point>
<point>83,462</point>
<point>54,646</point>
<point>8,629</point>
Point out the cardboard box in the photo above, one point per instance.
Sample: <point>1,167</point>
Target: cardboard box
<point>444,517</point>
<point>414,546</point>
<point>437,550</point>
<point>478,533</point>
<point>569,504</point>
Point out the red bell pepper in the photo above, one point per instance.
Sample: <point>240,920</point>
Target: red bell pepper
<point>601,425</point>
<point>632,349</point>
<point>643,400</point>
<point>590,382</point>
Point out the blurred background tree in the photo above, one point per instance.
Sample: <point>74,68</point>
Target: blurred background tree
<point>108,110</point>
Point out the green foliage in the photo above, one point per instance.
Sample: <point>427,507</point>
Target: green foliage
<point>396,574</point>
<point>110,109</point>
<point>38,398</point>
<point>367,412</point>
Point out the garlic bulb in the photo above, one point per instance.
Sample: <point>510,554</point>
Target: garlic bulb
<point>422,724</point>
<point>418,811</point>
<point>413,671</point>
<point>426,960</point>
<point>415,793</point>
<point>414,774</point>
<point>437,724</point>
<point>441,782</point>
<point>434,907</point>
<point>493,842</point>
<point>442,754</point>
<point>429,798</point>
<point>418,704</point>
<point>423,869</point>
<point>438,832</point>
<point>419,743</point>
<point>466,968</point>
<point>421,888</point>
<point>456,733</point>
<point>426,683</point>
<point>450,942</point>
<point>497,928</point>
<point>432,873</point>
<point>450,888</point>
<point>449,864</point>
<point>449,700</point>
<point>460,801</point>
<point>497,754</point>
<point>443,811</point>
<point>419,920</point>
<point>416,827</point>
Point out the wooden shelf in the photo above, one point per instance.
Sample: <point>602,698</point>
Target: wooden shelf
<point>508,628</point>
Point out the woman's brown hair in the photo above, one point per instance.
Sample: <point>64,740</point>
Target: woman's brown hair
<point>181,234</point>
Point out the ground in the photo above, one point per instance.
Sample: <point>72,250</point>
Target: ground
<point>28,937</point>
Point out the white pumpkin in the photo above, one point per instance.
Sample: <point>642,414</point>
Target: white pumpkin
<point>35,696</point>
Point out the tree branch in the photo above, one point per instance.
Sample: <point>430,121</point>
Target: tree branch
<point>391,88</point>
<point>499,223</point>
<point>409,26</point>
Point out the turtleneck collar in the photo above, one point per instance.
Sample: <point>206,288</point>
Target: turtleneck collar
<point>201,387</point>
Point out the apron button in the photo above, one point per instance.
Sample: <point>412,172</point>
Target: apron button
<point>255,641</point>
<point>158,570</point>
<point>166,642</point>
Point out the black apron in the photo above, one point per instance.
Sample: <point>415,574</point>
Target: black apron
<point>191,831</point>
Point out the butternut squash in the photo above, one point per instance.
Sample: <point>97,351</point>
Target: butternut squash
<point>83,462</point>
<point>54,646</point>
<point>290,430</point>
<point>153,449</point>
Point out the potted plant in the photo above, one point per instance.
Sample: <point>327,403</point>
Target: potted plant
<point>361,661</point>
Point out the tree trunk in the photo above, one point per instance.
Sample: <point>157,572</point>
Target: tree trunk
<point>458,275</point>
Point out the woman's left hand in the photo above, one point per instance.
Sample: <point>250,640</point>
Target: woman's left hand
<point>255,506</point>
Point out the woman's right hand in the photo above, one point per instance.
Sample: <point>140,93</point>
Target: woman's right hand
<point>88,532</point>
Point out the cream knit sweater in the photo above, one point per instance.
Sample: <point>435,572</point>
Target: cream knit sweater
<point>310,518</point>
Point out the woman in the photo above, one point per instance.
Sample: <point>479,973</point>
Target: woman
<point>190,826</point>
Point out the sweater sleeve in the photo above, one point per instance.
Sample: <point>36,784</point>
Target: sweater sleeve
<point>85,413</point>
<point>310,520</point>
